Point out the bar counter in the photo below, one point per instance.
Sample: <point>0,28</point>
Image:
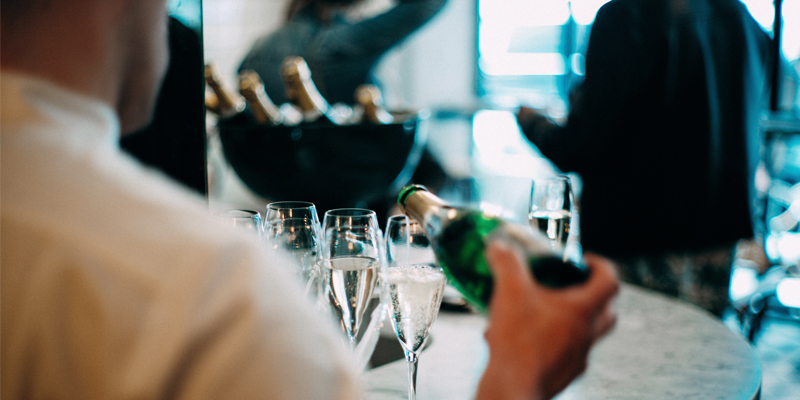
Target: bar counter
<point>661,348</point>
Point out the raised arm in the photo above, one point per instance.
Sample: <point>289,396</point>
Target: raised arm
<point>374,36</point>
<point>539,339</point>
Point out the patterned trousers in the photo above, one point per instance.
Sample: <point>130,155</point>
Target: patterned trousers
<point>702,278</point>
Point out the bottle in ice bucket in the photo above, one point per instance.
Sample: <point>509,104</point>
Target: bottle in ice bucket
<point>302,92</point>
<point>252,89</point>
<point>224,102</point>
<point>370,101</point>
<point>459,237</point>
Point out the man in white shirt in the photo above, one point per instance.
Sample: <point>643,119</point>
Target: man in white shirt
<point>117,284</point>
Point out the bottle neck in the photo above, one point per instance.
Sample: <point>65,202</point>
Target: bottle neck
<point>252,89</point>
<point>305,95</point>
<point>227,103</point>
<point>259,111</point>
<point>429,209</point>
<point>369,97</point>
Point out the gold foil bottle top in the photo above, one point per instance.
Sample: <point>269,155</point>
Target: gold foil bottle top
<point>252,89</point>
<point>295,68</point>
<point>418,203</point>
<point>228,102</point>
<point>212,102</point>
<point>300,89</point>
<point>370,98</point>
<point>369,94</point>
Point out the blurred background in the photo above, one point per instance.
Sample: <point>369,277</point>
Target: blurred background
<point>478,60</point>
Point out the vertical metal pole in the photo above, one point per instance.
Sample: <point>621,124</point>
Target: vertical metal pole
<point>777,27</point>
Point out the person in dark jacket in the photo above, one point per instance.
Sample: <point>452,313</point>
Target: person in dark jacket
<point>664,134</point>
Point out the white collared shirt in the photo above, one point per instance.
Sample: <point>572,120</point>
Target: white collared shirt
<point>117,284</point>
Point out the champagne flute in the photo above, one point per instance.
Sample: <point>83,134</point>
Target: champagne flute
<point>415,285</point>
<point>550,210</point>
<point>351,260</point>
<point>249,220</point>
<point>293,227</point>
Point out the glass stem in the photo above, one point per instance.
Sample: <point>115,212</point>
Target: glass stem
<point>411,361</point>
<point>352,338</point>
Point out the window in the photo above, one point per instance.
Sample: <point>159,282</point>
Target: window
<point>531,51</point>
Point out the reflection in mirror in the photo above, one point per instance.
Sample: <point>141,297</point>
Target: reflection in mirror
<point>344,148</point>
<point>175,141</point>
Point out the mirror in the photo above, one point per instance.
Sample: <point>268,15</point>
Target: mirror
<point>175,142</point>
<point>431,67</point>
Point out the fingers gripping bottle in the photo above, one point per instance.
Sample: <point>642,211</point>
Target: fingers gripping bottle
<point>459,237</point>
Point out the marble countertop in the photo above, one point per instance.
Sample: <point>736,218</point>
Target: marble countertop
<point>661,348</point>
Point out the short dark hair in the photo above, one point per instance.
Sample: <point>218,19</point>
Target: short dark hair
<point>18,11</point>
<point>19,7</point>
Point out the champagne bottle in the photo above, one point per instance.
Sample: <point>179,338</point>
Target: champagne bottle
<point>212,102</point>
<point>228,103</point>
<point>301,91</point>
<point>261,106</point>
<point>459,237</point>
<point>370,100</point>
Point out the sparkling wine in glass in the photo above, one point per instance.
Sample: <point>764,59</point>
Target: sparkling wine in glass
<point>550,209</point>
<point>415,284</point>
<point>293,227</point>
<point>350,265</point>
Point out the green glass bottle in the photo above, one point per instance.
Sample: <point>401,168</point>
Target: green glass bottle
<point>459,236</point>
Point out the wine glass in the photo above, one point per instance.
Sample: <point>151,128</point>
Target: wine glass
<point>293,227</point>
<point>249,220</point>
<point>415,284</point>
<point>550,210</point>
<point>351,260</point>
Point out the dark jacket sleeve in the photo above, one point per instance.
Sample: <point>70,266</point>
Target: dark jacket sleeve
<point>372,37</point>
<point>616,68</point>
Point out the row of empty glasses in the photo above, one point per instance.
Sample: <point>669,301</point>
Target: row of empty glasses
<point>355,275</point>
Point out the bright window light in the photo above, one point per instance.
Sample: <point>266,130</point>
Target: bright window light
<point>788,246</point>
<point>763,11</point>
<point>490,209</point>
<point>583,11</point>
<point>744,282</point>
<point>577,63</point>
<point>523,64</point>
<point>524,12</point>
<point>791,29</point>
<point>502,149</point>
<point>788,292</point>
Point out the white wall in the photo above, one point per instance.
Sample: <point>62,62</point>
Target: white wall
<point>434,68</point>
<point>230,26</point>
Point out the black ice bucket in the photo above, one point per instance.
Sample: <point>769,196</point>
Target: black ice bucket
<point>332,166</point>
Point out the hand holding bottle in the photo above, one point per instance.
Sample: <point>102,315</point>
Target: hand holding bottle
<point>460,235</point>
<point>539,338</point>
